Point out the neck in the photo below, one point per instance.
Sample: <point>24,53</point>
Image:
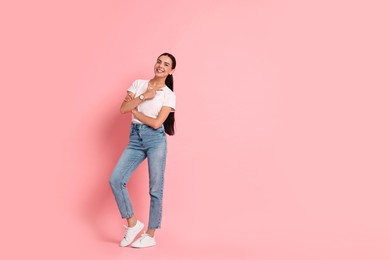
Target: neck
<point>160,82</point>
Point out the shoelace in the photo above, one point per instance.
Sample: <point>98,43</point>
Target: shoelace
<point>143,236</point>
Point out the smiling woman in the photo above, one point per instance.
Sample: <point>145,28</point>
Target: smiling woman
<point>152,103</point>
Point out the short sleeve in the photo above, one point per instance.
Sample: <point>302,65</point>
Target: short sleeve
<point>134,87</point>
<point>170,100</point>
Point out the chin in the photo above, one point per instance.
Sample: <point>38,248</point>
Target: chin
<point>159,75</point>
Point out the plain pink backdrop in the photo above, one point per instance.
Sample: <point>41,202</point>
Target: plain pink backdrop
<point>282,146</point>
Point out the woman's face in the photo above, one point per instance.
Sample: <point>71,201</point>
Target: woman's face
<point>163,67</point>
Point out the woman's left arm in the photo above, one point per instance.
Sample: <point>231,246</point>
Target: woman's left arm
<point>150,121</point>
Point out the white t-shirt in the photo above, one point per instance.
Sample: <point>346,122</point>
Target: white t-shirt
<point>152,107</point>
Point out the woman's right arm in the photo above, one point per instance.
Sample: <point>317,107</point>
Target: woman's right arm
<point>129,103</point>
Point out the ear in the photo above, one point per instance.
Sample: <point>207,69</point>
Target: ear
<point>172,72</point>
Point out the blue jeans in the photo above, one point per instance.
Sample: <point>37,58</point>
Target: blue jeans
<point>144,142</point>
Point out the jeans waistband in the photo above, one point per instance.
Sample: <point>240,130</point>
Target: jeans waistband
<point>143,126</point>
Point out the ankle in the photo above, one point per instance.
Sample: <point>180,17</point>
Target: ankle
<point>150,233</point>
<point>131,222</point>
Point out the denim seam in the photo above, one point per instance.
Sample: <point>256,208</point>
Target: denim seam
<point>122,190</point>
<point>162,189</point>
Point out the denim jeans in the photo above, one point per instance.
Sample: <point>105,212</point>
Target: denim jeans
<point>144,142</point>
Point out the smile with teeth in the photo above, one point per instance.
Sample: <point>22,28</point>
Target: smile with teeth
<point>160,70</point>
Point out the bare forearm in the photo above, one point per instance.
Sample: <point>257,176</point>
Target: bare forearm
<point>147,120</point>
<point>130,102</point>
<point>153,122</point>
<point>129,105</point>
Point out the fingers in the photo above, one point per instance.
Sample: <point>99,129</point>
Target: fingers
<point>128,97</point>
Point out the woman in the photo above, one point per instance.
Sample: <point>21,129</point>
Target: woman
<point>152,103</point>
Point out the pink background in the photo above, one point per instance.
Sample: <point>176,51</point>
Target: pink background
<point>282,146</point>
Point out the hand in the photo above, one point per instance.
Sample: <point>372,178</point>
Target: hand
<point>150,91</point>
<point>128,97</point>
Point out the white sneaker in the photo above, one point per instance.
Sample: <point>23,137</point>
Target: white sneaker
<point>144,241</point>
<point>131,233</point>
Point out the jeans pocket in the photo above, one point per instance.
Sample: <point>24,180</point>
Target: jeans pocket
<point>161,130</point>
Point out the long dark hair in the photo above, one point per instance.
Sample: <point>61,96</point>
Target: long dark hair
<point>170,121</point>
